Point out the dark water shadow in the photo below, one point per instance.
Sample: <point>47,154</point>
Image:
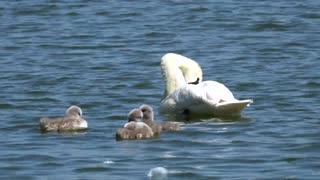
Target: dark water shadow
<point>70,132</point>
<point>206,118</point>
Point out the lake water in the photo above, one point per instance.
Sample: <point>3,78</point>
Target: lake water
<point>104,56</point>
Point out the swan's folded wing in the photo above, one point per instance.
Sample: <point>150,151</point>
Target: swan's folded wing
<point>186,97</point>
<point>209,98</point>
<point>232,108</point>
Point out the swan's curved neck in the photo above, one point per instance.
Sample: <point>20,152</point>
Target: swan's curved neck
<point>178,70</point>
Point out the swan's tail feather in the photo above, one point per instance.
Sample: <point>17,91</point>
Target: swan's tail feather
<point>232,108</point>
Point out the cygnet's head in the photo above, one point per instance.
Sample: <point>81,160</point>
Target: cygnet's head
<point>74,111</point>
<point>135,115</point>
<point>147,112</point>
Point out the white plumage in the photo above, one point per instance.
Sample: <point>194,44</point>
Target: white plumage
<point>199,98</point>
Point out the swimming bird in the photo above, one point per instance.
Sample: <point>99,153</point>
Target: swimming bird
<point>148,118</point>
<point>186,93</point>
<point>70,122</point>
<point>135,128</point>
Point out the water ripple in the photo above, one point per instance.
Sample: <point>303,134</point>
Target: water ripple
<point>105,57</point>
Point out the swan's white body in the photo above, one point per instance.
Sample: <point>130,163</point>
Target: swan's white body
<point>204,98</point>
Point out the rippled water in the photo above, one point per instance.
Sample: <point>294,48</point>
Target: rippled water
<point>104,57</point>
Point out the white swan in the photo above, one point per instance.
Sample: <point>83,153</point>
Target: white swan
<point>186,93</point>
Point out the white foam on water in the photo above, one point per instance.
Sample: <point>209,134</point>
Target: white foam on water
<point>158,173</point>
<point>108,162</point>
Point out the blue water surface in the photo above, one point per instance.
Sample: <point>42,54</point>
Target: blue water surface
<point>104,57</point>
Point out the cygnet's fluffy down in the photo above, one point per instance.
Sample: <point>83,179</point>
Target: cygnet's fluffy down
<point>148,118</point>
<point>135,128</point>
<point>70,122</point>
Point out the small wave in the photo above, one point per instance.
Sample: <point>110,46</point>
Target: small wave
<point>311,15</point>
<point>108,162</point>
<point>93,169</point>
<point>273,26</point>
<point>169,155</point>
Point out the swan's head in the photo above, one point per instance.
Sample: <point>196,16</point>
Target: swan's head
<point>74,111</point>
<point>135,115</point>
<point>147,112</point>
<point>178,70</point>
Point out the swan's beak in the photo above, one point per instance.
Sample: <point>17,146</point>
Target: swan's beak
<point>195,82</point>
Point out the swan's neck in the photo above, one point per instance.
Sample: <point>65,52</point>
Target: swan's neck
<point>178,70</point>
<point>172,76</point>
